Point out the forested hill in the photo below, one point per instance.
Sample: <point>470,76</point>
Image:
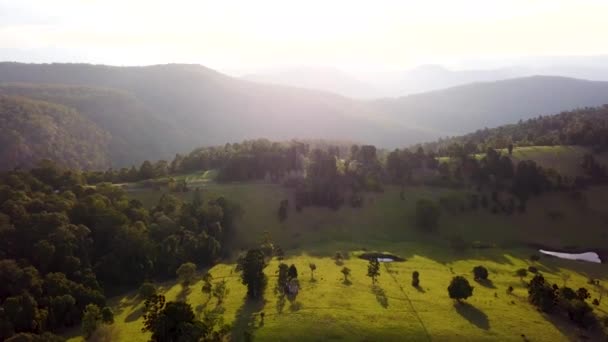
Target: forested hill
<point>35,130</point>
<point>156,111</point>
<point>204,107</point>
<point>585,127</point>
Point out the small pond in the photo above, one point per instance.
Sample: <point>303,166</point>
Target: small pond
<point>381,257</point>
<point>587,256</point>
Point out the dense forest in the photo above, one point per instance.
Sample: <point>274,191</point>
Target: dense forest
<point>65,245</point>
<point>34,130</point>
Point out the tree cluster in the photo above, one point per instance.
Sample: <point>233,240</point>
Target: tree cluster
<point>64,244</point>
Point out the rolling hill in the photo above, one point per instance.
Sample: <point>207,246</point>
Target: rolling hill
<point>462,109</point>
<point>156,111</point>
<point>35,130</point>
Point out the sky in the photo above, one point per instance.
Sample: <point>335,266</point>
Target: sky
<point>245,35</point>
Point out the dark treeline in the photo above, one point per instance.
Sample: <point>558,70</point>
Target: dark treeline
<point>585,127</point>
<point>244,161</point>
<point>64,244</point>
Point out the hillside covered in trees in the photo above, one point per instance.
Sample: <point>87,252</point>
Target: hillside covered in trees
<point>156,111</point>
<point>584,127</point>
<point>34,130</point>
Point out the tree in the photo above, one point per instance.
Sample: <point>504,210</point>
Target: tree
<point>146,170</point>
<point>313,267</point>
<point>186,273</point>
<point>283,210</point>
<point>293,272</point>
<point>460,288</point>
<point>171,321</point>
<point>510,148</point>
<point>480,273</point>
<point>147,290</point>
<point>283,276</point>
<point>90,319</point>
<point>253,273</point>
<point>107,315</point>
<point>220,291</point>
<point>373,269</point>
<point>521,273</point>
<point>415,279</point>
<point>346,272</point>
<point>542,294</point>
<point>583,294</point>
<point>427,214</point>
<point>207,286</point>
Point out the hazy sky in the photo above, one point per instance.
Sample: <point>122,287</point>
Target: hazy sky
<point>256,33</point>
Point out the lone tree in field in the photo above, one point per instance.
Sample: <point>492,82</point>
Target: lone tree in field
<point>373,269</point>
<point>521,273</point>
<point>460,288</point>
<point>253,273</point>
<point>346,271</point>
<point>292,272</point>
<point>480,273</point>
<point>313,267</point>
<point>415,279</point>
<point>427,215</point>
<point>186,273</point>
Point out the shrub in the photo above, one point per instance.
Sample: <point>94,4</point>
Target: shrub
<point>521,273</point>
<point>532,269</point>
<point>460,288</point>
<point>480,273</point>
<point>415,279</point>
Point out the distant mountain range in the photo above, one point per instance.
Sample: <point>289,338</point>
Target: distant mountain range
<point>138,113</point>
<point>370,85</point>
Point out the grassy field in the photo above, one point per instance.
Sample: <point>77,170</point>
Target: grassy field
<point>564,159</point>
<point>385,220</point>
<point>328,309</point>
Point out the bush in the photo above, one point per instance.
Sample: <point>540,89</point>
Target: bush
<point>460,288</point>
<point>186,273</point>
<point>532,269</point>
<point>521,273</point>
<point>480,273</point>
<point>415,279</point>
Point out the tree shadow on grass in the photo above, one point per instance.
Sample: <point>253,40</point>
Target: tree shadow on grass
<point>133,316</point>
<point>420,289</point>
<point>473,315</point>
<point>380,295</point>
<point>485,283</point>
<point>244,321</point>
<point>281,303</point>
<point>347,282</point>
<point>183,294</point>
